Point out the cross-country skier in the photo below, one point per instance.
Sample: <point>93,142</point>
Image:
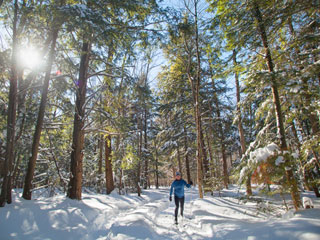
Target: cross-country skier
<point>178,187</point>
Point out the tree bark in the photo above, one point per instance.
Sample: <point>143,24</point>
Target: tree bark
<point>276,100</point>
<point>118,167</point>
<point>200,153</point>
<point>206,167</point>
<point>75,184</point>
<point>179,161</point>
<point>157,166</point>
<point>186,155</point>
<point>140,155</point>
<point>224,162</point>
<point>240,127</point>
<point>209,140</point>
<point>222,137</point>
<point>109,173</point>
<point>146,160</point>
<point>11,117</point>
<point>100,143</point>
<point>37,134</point>
<point>16,171</point>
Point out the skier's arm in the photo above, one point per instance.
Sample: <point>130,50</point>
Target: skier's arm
<point>171,189</point>
<point>187,185</point>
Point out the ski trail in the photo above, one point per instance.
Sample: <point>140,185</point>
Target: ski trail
<point>155,221</point>
<point>143,216</point>
<point>155,218</point>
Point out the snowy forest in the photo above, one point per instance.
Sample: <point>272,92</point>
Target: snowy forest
<point>112,98</point>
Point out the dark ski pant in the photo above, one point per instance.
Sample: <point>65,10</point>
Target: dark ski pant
<point>178,201</point>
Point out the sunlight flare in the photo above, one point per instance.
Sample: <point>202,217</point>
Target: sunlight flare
<point>29,58</point>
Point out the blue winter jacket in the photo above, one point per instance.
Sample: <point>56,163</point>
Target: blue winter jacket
<point>178,186</point>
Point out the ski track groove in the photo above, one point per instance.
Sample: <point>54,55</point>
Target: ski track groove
<point>159,214</point>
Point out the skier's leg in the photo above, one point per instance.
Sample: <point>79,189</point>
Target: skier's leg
<point>176,201</point>
<point>181,205</point>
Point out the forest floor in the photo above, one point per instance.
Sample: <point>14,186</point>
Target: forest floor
<point>98,216</point>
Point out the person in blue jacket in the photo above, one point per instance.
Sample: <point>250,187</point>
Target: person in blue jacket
<point>177,187</point>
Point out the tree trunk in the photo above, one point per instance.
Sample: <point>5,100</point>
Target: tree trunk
<point>200,153</point>
<point>140,155</point>
<point>109,173</point>
<point>205,160</point>
<point>100,143</point>
<point>195,87</point>
<point>118,142</point>
<point>120,181</point>
<point>186,155</point>
<point>16,171</point>
<point>75,184</point>
<point>179,161</point>
<point>276,100</point>
<point>11,117</point>
<point>224,164</point>
<point>138,180</point>
<point>146,160</point>
<point>302,168</point>
<point>157,168</point>
<point>209,140</point>
<point>240,127</point>
<point>222,138</point>
<point>199,149</point>
<point>316,191</point>
<point>37,134</point>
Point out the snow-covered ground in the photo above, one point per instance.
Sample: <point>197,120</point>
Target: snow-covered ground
<point>99,216</point>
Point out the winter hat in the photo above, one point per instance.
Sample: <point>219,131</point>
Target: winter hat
<point>178,174</point>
